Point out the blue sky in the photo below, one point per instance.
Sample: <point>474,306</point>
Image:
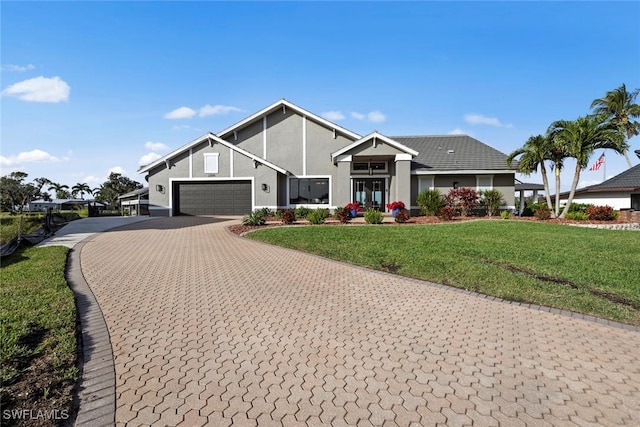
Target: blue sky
<point>91,87</point>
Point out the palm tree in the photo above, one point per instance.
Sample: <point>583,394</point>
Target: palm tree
<point>60,189</point>
<point>81,188</point>
<point>533,154</point>
<point>620,107</point>
<point>580,138</point>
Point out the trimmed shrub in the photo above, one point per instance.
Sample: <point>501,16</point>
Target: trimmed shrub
<point>492,200</point>
<point>601,213</point>
<point>402,216</point>
<point>254,218</point>
<point>302,211</point>
<point>463,199</point>
<point>543,213</point>
<point>317,216</point>
<point>430,201</point>
<point>579,207</point>
<point>447,213</point>
<point>505,214</point>
<point>343,215</point>
<point>372,216</point>
<point>577,216</point>
<point>288,216</point>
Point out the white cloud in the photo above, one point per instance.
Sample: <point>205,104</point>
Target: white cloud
<point>180,127</point>
<point>30,157</point>
<point>458,131</point>
<point>148,158</point>
<point>180,113</point>
<point>117,169</point>
<point>18,68</point>
<point>209,110</point>
<point>333,115</point>
<point>39,89</point>
<point>373,116</point>
<point>93,180</point>
<point>376,117</point>
<point>479,119</point>
<point>155,146</point>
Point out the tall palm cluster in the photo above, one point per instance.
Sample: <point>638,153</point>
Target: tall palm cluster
<point>608,127</point>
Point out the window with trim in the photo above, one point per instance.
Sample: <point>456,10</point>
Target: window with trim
<point>364,167</point>
<point>484,182</point>
<point>425,183</point>
<point>211,162</point>
<point>309,191</point>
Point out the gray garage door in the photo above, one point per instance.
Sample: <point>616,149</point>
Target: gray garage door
<point>212,198</point>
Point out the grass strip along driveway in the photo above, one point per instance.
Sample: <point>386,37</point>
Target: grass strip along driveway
<point>590,271</point>
<point>37,338</point>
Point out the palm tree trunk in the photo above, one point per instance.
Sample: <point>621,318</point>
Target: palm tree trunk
<point>574,185</point>
<point>557,171</point>
<point>545,182</point>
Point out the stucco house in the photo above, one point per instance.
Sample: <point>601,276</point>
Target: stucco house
<point>284,156</point>
<point>620,192</point>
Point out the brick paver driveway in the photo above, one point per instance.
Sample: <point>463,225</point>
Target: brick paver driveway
<point>211,329</point>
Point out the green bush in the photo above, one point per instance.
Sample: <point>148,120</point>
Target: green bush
<point>577,216</point>
<point>372,216</point>
<point>302,211</point>
<point>317,216</point>
<point>430,201</point>
<point>254,218</point>
<point>505,215</point>
<point>579,207</point>
<point>492,200</point>
<point>266,212</point>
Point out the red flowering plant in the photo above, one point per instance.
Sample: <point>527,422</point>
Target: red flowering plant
<point>395,205</point>
<point>355,206</point>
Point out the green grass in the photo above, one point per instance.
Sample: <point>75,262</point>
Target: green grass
<point>37,330</point>
<point>9,225</point>
<point>599,269</point>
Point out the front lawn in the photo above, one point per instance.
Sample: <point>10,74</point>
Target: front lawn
<point>38,347</point>
<point>590,271</point>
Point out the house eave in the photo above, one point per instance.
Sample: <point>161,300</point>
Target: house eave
<point>373,136</point>
<point>462,172</point>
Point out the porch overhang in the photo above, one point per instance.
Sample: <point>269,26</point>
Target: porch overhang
<point>374,138</point>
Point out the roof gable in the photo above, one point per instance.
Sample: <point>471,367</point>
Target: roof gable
<point>210,137</point>
<point>284,104</point>
<point>629,179</point>
<point>374,136</point>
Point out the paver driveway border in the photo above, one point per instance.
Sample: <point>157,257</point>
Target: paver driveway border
<point>97,391</point>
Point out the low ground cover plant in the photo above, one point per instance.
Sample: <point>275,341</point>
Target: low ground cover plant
<point>402,216</point>
<point>288,216</point>
<point>255,218</point>
<point>372,216</point>
<point>343,215</point>
<point>317,216</point>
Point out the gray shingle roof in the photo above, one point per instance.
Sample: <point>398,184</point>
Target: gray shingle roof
<point>453,152</point>
<point>627,179</point>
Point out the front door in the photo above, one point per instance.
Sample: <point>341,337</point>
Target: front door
<point>369,193</point>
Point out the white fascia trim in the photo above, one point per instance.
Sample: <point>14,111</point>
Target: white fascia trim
<point>278,105</point>
<point>190,162</point>
<point>343,158</point>
<point>403,156</point>
<point>466,172</point>
<point>375,135</point>
<point>264,137</point>
<point>304,145</point>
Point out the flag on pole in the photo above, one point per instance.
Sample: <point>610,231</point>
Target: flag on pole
<point>598,163</point>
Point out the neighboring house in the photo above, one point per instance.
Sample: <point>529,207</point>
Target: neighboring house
<point>620,192</point>
<point>284,156</point>
<point>56,204</point>
<point>135,202</point>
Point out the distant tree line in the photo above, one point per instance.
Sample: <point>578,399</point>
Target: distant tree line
<point>16,192</point>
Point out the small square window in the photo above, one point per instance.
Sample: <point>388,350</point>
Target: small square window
<point>211,162</point>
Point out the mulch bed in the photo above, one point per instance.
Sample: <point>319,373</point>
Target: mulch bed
<point>275,222</point>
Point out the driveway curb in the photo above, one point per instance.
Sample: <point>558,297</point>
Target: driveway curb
<point>96,395</point>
